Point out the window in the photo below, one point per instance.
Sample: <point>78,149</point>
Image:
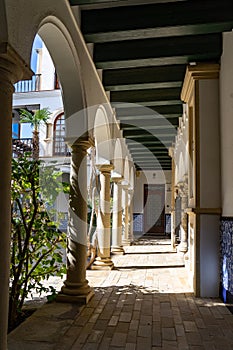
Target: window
<point>59,146</point>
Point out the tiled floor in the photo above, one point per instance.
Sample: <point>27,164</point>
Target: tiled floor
<point>144,303</point>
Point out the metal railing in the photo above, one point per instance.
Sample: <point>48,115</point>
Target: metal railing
<point>28,85</point>
<point>20,146</point>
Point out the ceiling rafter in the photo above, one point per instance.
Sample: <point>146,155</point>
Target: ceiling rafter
<point>143,48</point>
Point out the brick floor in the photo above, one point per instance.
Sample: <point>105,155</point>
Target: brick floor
<point>145,303</point>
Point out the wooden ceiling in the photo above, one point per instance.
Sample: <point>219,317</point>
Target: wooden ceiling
<point>143,48</point>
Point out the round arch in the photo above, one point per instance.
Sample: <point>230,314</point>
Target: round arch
<point>102,136</point>
<point>126,171</point>
<point>181,167</point>
<point>118,158</point>
<point>62,51</point>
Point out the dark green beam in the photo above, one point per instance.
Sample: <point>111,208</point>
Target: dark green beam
<point>142,75</point>
<point>148,150</point>
<point>170,112</point>
<point>164,120</point>
<point>196,29</point>
<point>184,46</point>
<point>144,86</point>
<point>148,143</point>
<point>159,61</point>
<point>145,95</point>
<point>162,140</point>
<point>148,125</point>
<point>105,3</point>
<point>175,14</point>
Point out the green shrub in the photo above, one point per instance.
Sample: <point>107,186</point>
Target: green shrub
<point>37,245</point>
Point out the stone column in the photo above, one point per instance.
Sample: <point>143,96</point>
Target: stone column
<point>131,235</point>
<point>6,91</point>
<point>126,239</point>
<point>12,69</point>
<point>76,288</point>
<point>183,246</point>
<point>117,247</point>
<point>173,194</point>
<point>103,260</point>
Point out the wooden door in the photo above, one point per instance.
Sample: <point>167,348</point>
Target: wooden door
<point>154,209</point>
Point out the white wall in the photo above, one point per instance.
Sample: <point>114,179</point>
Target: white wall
<point>45,99</point>
<point>151,177</point>
<point>46,69</point>
<point>226,108</point>
<point>209,143</point>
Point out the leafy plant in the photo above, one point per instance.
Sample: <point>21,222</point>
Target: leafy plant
<point>37,245</point>
<point>35,119</point>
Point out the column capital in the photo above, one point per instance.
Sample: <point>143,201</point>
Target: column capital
<point>131,190</point>
<point>82,142</point>
<point>117,179</point>
<point>126,186</point>
<point>195,73</point>
<point>12,67</point>
<point>105,168</point>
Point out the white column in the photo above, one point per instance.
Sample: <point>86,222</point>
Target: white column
<point>173,194</point>
<point>11,70</point>
<point>183,246</point>
<point>126,239</point>
<point>76,288</point>
<point>131,234</point>
<point>6,90</point>
<point>117,247</point>
<point>103,260</point>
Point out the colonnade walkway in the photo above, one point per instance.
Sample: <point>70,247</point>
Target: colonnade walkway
<point>144,303</point>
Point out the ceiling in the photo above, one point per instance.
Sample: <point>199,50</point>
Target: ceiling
<point>143,48</point>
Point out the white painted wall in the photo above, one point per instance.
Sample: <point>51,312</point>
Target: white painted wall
<point>226,108</point>
<point>209,143</point>
<point>151,178</point>
<point>46,99</point>
<point>47,70</point>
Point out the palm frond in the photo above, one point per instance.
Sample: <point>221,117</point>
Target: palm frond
<point>36,119</point>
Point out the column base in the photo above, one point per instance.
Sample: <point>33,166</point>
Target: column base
<point>126,242</point>
<point>79,299</point>
<point>182,247</point>
<point>117,250</point>
<point>102,264</point>
<point>75,292</point>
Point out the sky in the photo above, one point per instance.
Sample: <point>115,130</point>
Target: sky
<point>25,129</point>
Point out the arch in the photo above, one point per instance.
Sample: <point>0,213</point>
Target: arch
<point>126,171</point>
<point>102,136</point>
<point>181,167</point>
<point>186,158</point>
<point>3,25</point>
<point>131,175</point>
<point>118,158</point>
<point>62,50</point>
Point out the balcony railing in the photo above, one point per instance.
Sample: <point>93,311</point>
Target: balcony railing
<point>20,146</point>
<point>29,85</point>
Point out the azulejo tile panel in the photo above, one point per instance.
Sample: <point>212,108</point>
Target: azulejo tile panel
<point>226,256</point>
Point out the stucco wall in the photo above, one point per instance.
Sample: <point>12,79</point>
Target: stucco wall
<point>151,177</point>
<point>226,108</point>
<point>209,143</point>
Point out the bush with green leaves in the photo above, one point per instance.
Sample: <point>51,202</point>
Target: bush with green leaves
<point>37,245</point>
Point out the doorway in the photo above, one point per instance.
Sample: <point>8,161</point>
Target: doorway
<point>154,209</point>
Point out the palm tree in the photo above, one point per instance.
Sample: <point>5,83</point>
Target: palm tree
<point>35,119</point>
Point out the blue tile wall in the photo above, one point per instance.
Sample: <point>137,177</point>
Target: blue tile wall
<point>226,257</point>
